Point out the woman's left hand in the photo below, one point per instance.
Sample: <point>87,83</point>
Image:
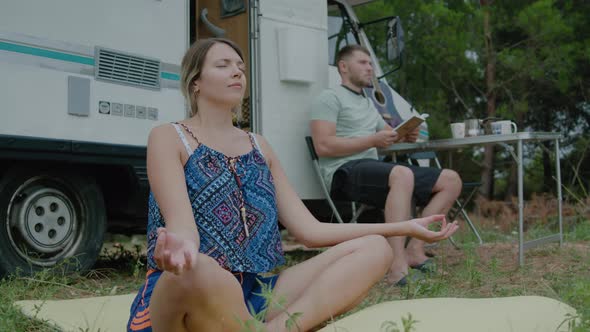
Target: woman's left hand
<point>418,228</point>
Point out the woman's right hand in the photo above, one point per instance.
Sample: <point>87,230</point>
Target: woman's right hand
<point>418,228</point>
<point>174,253</point>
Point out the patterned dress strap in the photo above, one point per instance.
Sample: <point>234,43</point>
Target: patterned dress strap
<point>183,138</point>
<point>188,130</point>
<point>255,144</point>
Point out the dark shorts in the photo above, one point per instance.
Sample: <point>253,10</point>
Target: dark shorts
<point>367,181</point>
<point>251,288</point>
<point>140,308</point>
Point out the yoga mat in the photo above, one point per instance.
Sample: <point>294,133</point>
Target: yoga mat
<point>518,314</point>
<point>521,313</point>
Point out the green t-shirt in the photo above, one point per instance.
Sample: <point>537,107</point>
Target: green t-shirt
<point>354,115</point>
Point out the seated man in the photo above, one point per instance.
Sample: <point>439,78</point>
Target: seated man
<point>347,130</point>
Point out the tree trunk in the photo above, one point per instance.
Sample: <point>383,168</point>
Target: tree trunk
<point>487,172</point>
<point>547,125</point>
<point>512,184</point>
<point>547,170</point>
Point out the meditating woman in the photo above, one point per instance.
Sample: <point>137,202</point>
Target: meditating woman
<point>217,195</point>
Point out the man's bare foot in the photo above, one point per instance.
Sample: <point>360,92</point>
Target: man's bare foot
<point>397,272</point>
<point>415,257</point>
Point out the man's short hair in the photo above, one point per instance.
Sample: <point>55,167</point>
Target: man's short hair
<point>347,51</point>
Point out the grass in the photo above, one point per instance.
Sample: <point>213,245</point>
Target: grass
<point>118,271</point>
<point>491,270</point>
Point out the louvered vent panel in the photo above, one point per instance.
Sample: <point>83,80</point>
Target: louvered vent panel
<point>141,173</point>
<point>116,66</point>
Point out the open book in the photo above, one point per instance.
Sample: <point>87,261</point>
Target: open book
<point>410,124</point>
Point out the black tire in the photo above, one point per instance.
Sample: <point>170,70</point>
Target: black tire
<point>49,217</point>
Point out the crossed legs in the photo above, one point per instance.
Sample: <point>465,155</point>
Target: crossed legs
<point>398,208</point>
<point>209,298</point>
<point>205,298</point>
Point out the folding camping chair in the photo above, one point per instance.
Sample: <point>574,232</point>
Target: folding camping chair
<point>469,188</point>
<point>316,165</point>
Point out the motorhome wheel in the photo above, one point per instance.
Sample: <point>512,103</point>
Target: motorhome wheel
<point>49,218</point>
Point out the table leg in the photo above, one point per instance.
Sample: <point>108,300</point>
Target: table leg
<point>520,206</point>
<point>450,159</point>
<point>559,198</point>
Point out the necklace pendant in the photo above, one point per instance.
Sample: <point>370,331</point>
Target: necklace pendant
<point>243,213</point>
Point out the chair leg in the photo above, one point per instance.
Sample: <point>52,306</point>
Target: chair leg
<point>461,209</point>
<point>462,205</point>
<point>357,213</point>
<point>471,225</point>
<point>334,210</point>
<point>454,243</point>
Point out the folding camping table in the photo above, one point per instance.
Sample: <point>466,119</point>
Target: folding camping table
<point>507,142</point>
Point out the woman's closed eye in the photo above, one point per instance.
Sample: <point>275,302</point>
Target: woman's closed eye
<point>242,69</point>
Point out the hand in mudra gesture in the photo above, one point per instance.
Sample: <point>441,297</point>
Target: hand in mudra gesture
<point>419,228</point>
<point>174,253</point>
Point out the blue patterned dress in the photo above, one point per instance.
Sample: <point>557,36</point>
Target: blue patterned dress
<point>215,194</point>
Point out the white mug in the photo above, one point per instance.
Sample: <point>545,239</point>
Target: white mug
<point>503,127</point>
<point>458,129</point>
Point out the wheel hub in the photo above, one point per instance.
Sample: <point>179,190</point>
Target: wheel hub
<point>45,220</point>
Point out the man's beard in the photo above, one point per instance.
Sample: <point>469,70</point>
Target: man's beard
<point>358,81</point>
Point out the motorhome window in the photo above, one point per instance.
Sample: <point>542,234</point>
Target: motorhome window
<point>339,31</point>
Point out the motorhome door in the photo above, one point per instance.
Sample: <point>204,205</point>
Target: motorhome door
<point>289,66</point>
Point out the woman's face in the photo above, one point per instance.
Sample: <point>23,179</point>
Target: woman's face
<point>223,79</point>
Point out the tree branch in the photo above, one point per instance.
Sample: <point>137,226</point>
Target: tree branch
<point>454,89</point>
<point>445,85</point>
<point>517,75</point>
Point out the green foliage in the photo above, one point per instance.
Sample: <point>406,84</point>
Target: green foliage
<point>113,274</point>
<point>408,325</point>
<point>271,303</point>
<point>541,58</point>
<point>581,232</point>
<point>436,73</point>
<point>575,170</point>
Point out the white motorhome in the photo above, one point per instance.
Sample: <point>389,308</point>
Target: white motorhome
<point>83,82</point>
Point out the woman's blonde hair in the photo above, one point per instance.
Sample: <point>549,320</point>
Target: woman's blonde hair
<point>192,64</point>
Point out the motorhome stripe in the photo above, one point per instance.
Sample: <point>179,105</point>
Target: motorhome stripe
<point>170,76</point>
<point>46,53</point>
<point>68,57</point>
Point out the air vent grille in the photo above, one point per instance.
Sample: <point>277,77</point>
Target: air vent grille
<point>141,173</point>
<point>116,66</point>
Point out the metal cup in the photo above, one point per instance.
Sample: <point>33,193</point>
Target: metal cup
<point>472,127</point>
